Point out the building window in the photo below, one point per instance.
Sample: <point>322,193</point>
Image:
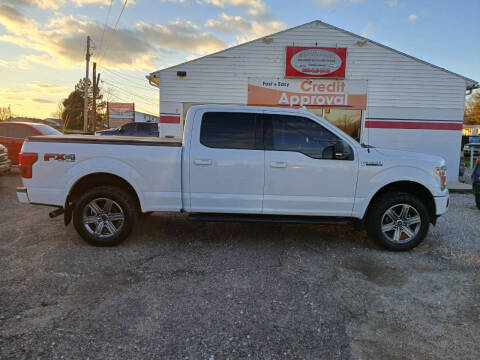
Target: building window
<point>349,121</point>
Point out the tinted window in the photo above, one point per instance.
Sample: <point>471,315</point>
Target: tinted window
<point>228,130</point>
<point>20,131</point>
<point>144,129</point>
<point>47,130</point>
<point>295,133</point>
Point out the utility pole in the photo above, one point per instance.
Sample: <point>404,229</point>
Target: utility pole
<point>85,100</point>
<point>96,81</point>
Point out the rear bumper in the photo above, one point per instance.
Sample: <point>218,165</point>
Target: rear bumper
<point>441,204</point>
<point>22,195</point>
<point>5,166</point>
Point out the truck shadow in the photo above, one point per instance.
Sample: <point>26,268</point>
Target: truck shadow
<point>176,227</point>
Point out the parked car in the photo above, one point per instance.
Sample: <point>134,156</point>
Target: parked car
<point>476,183</point>
<point>4,160</point>
<point>133,129</point>
<point>475,147</point>
<point>236,163</point>
<point>13,134</point>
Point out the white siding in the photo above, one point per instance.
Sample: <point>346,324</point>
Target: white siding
<point>399,87</point>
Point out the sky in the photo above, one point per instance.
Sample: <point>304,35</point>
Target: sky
<point>43,42</point>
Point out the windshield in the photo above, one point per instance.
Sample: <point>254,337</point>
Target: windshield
<point>47,130</point>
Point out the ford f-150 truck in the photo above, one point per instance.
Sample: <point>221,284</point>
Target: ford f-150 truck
<point>236,163</point>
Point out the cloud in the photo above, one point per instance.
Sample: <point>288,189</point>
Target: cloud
<point>255,8</point>
<point>245,30</point>
<point>42,101</point>
<point>61,42</point>
<point>367,31</point>
<point>180,35</point>
<point>412,17</point>
<point>90,2</point>
<point>14,21</point>
<point>42,4</point>
<point>392,3</point>
<point>48,87</point>
<point>325,3</point>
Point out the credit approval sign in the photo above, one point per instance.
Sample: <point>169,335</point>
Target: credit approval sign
<point>322,62</point>
<point>308,93</point>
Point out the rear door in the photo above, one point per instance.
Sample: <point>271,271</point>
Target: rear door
<point>226,162</point>
<point>302,175</point>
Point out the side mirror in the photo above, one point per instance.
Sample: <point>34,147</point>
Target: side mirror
<point>122,130</point>
<point>342,150</point>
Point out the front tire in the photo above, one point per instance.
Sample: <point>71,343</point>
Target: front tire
<point>105,215</point>
<point>398,221</point>
<point>477,200</point>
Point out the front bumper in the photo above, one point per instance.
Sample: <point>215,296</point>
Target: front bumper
<point>441,204</point>
<point>22,195</point>
<point>5,166</point>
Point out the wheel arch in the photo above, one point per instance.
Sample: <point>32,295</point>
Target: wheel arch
<point>98,179</point>
<point>410,187</point>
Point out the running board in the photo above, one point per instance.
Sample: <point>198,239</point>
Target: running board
<point>285,219</point>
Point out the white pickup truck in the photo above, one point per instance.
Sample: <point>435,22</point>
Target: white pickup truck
<point>236,163</point>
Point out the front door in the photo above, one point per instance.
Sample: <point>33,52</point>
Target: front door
<point>226,163</point>
<point>302,174</point>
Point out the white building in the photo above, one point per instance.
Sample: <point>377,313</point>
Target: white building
<point>144,117</point>
<point>379,95</point>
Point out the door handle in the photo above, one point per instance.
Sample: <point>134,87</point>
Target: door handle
<point>278,164</point>
<point>202,162</point>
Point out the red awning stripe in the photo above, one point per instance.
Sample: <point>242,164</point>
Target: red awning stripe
<point>422,125</point>
<point>169,119</point>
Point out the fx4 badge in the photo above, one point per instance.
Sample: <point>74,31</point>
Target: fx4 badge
<point>372,163</point>
<point>59,157</point>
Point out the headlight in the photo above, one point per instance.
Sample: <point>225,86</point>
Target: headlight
<point>442,175</point>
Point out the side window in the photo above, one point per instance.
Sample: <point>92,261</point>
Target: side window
<point>295,133</point>
<point>3,130</point>
<point>228,130</point>
<point>129,128</point>
<point>20,131</point>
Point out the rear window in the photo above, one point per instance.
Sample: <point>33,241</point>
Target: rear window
<point>47,130</point>
<point>227,130</point>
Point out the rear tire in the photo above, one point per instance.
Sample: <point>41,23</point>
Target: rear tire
<point>105,215</point>
<point>398,221</point>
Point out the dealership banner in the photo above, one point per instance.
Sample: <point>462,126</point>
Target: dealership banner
<point>121,110</point>
<point>308,93</point>
<point>322,62</point>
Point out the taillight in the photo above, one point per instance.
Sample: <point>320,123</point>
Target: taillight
<point>25,162</point>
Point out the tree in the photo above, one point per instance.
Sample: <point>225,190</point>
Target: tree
<point>5,113</point>
<point>72,114</point>
<point>472,109</point>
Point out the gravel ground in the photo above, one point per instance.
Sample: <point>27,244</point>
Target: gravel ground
<point>182,290</point>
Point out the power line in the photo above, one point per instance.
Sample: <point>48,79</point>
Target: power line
<point>149,101</point>
<point>136,84</point>
<point>136,107</point>
<point>105,24</point>
<point>104,52</point>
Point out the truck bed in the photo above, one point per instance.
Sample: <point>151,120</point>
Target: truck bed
<point>112,140</point>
